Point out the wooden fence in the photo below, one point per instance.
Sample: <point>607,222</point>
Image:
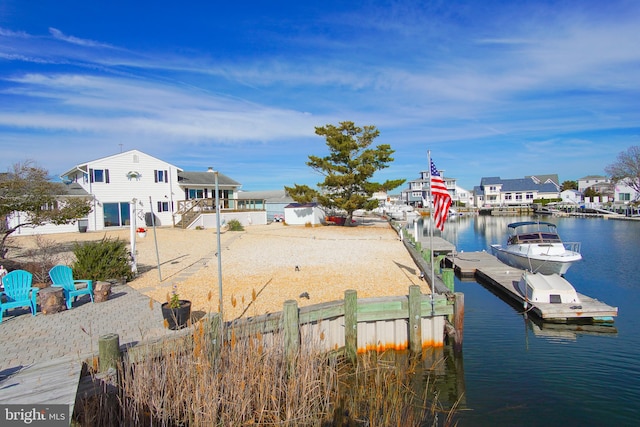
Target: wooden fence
<point>410,322</point>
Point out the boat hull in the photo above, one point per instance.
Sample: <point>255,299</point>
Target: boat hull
<point>545,264</point>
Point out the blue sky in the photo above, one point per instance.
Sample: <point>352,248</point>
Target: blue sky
<point>492,88</point>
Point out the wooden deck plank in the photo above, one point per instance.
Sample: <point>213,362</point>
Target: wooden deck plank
<point>51,382</point>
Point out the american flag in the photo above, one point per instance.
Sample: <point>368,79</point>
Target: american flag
<point>441,198</point>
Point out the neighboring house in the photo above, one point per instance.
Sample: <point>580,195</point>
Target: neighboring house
<point>590,181</point>
<point>460,196</point>
<point>417,191</point>
<point>274,201</point>
<point>623,194</point>
<point>494,191</point>
<point>135,183</point>
<point>70,189</point>
<point>573,197</point>
<point>303,213</point>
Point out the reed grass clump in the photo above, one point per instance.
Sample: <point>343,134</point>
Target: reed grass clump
<point>251,381</point>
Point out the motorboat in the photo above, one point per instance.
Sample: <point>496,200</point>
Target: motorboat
<point>551,289</point>
<point>535,246</point>
<point>554,299</point>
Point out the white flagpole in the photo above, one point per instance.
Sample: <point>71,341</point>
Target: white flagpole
<point>431,225</point>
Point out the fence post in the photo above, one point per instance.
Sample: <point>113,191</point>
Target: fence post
<point>291,329</point>
<point>415,319</point>
<point>215,334</point>
<point>109,352</point>
<point>351,324</point>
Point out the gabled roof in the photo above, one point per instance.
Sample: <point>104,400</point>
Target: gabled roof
<point>490,180</point>
<point>545,179</point>
<point>71,189</point>
<point>592,177</point>
<point>83,167</point>
<point>205,179</point>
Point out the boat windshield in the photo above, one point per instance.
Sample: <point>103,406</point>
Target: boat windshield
<point>533,232</point>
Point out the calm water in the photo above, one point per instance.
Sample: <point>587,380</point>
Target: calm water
<point>516,373</point>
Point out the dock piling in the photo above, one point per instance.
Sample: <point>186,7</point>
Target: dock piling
<point>415,319</point>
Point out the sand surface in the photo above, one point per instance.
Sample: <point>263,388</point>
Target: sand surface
<point>262,266</point>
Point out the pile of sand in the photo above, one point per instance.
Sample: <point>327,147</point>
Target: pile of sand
<point>264,265</point>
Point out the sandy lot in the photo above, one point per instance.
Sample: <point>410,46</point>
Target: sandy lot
<point>262,266</point>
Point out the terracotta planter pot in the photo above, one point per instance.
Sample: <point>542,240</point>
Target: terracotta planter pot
<point>177,318</point>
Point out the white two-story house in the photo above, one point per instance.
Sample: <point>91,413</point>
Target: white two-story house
<point>160,192</point>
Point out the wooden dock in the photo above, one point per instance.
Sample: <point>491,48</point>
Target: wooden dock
<point>488,269</point>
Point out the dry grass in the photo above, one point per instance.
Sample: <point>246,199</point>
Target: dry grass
<point>249,383</point>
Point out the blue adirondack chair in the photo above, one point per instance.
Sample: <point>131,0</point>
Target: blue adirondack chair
<point>18,292</point>
<point>62,276</point>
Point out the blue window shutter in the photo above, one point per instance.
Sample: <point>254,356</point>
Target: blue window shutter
<point>186,194</point>
<point>90,175</point>
<point>155,175</point>
<point>166,176</point>
<point>106,176</point>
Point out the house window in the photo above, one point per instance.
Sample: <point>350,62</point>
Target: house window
<point>99,175</point>
<point>116,214</point>
<point>518,196</point>
<point>161,175</point>
<point>624,197</point>
<point>51,206</point>
<point>508,196</point>
<point>163,207</point>
<point>529,196</point>
<point>196,194</point>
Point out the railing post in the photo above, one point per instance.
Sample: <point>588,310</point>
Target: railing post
<point>415,319</point>
<point>351,324</point>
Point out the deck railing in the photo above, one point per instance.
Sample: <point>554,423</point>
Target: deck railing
<point>190,209</point>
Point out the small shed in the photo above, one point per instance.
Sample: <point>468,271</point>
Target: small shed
<point>303,213</point>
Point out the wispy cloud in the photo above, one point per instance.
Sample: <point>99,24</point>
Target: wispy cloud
<point>57,34</point>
